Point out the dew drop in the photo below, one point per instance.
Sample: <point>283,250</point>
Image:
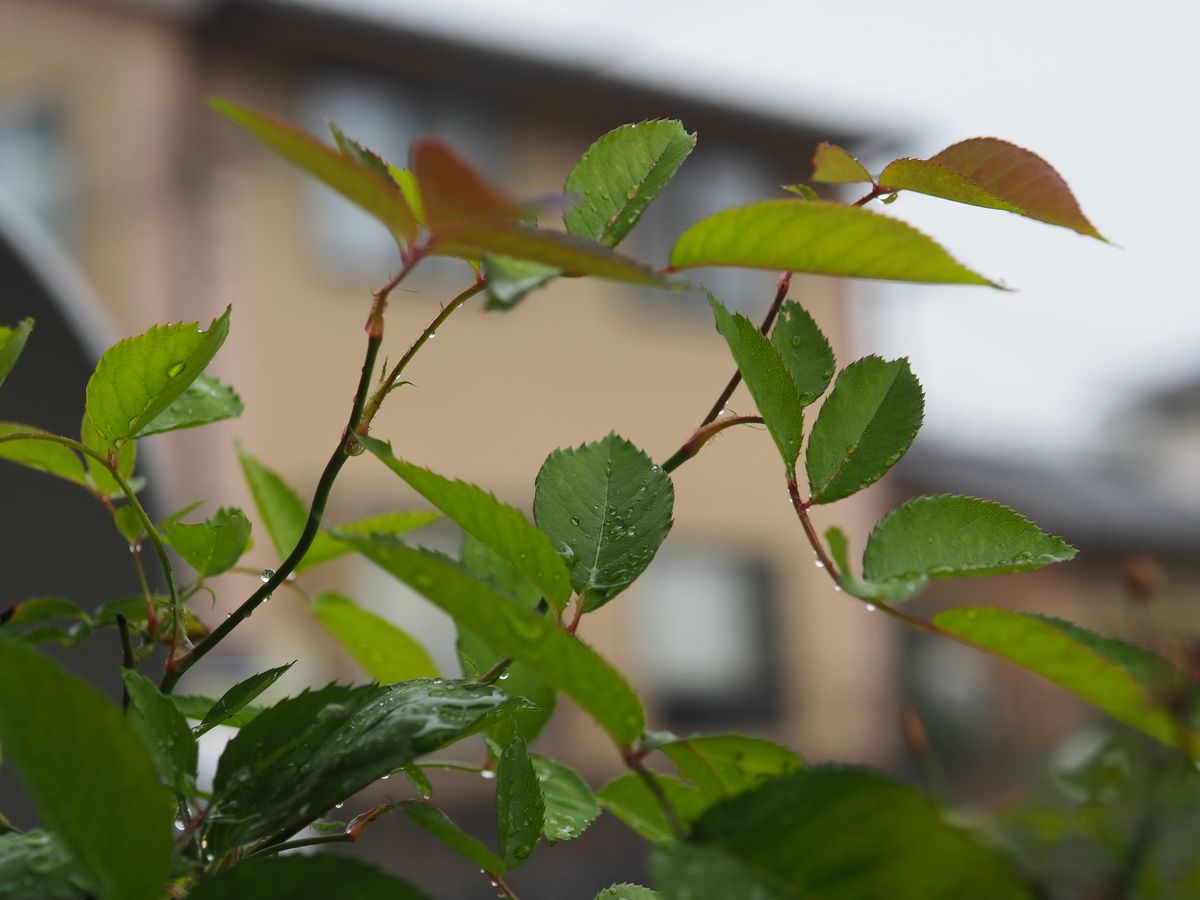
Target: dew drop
<point>871,607</point>
<point>266,575</point>
<point>385,777</point>
<point>180,824</point>
<point>338,805</point>
<point>135,548</point>
<point>838,588</point>
<point>819,564</point>
<point>175,370</point>
<point>504,676</point>
<point>487,774</point>
<point>432,335</point>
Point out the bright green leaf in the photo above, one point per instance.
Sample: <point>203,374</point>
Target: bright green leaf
<point>819,237</point>
<point>555,657</point>
<point>805,351</point>
<point>726,765</point>
<point>629,799</point>
<point>520,809</point>
<point>956,537</point>
<point>354,181</point>
<point>1127,682</point>
<point>318,877</point>
<point>226,710</point>
<point>385,652</point>
<point>163,729</point>
<point>140,377</point>
<point>865,425</point>
<point>620,175</point>
<point>101,477</point>
<point>43,455</point>
<point>34,866</point>
<point>363,156</point>
<point>870,838</point>
<point>627,892</point>
<point>768,379</point>
<point>206,400</point>
<point>993,174</point>
<point>40,609</point>
<point>54,728</point>
<point>509,280</point>
<point>281,509</point>
<point>607,507</point>
<point>213,546</point>
<point>803,191</point>
<point>326,546</point>
<point>569,805</point>
<point>503,528</point>
<point>440,826</point>
<point>12,342</point>
<point>833,165</point>
<point>306,753</point>
<point>892,591</point>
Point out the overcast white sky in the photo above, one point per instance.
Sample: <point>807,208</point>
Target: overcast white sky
<point>1106,91</point>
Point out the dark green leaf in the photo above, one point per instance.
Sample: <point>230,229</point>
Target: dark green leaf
<point>213,546</point>
<point>627,892</point>
<point>726,765</point>
<point>509,280</point>
<point>163,729</point>
<point>503,528</point>
<point>54,728</point>
<point>688,872</point>
<point>304,754</point>
<point>865,425</point>
<point>607,507</point>
<point>569,805</point>
<point>619,176</point>
<point>630,800</point>
<point>948,536</point>
<point>12,342</point>
<point>206,400</point>
<point>226,710</point>
<point>1127,682</point>
<point>891,591</point>
<point>548,652</point>
<point>34,867</point>
<point>196,708</point>
<point>357,183</point>
<point>994,174</point>
<point>320,877</point>
<point>833,165</point>
<point>868,838</point>
<point>768,379</point>
<point>385,652</point>
<point>326,546</point>
<point>439,825</point>
<point>99,474</point>
<point>138,378</point>
<point>804,350</point>
<point>43,455</point>
<point>820,237</point>
<point>520,809</point>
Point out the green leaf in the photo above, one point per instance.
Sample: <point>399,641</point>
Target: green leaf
<point>688,872</point>
<point>363,156</point>
<point>226,710</point>
<point>555,657</point>
<point>318,877</point>
<point>34,866</point>
<point>354,181</point>
<point>45,456</point>
<point>864,427</point>
<point>993,174</point>
<point>627,892</point>
<point>520,809</point>
<point>281,509</point>
<point>99,475</point>
<point>803,191</point>
<point>478,657</point>
<point>629,799</point>
<point>163,728</point>
<point>206,400</point>
<point>569,805</point>
<point>1127,682</point>
<point>892,591</point>
<point>326,546</point>
<point>820,237</point>
<point>509,280</point>
<point>36,610</point>
<point>213,546</point>
<point>726,765</point>
<point>196,708</point>
<point>873,837</point>
<point>306,753</point>
<point>621,174</point>
<point>440,826</point>
<point>502,528</point>
<point>768,379</point>
<point>12,342</point>
<point>949,536</point>
<point>805,351</point>
<point>54,728</point>
<point>607,507</point>
<point>138,378</point>
<point>833,165</point>
<point>385,652</point>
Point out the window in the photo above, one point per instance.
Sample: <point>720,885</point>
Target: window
<point>35,169</point>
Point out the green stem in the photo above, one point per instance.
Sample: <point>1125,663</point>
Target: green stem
<point>127,660</point>
<point>634,761</point>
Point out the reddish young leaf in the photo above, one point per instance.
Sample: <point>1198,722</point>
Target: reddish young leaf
<point>995,174</point>
<point>833,165</point>
<point>453,193</point>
